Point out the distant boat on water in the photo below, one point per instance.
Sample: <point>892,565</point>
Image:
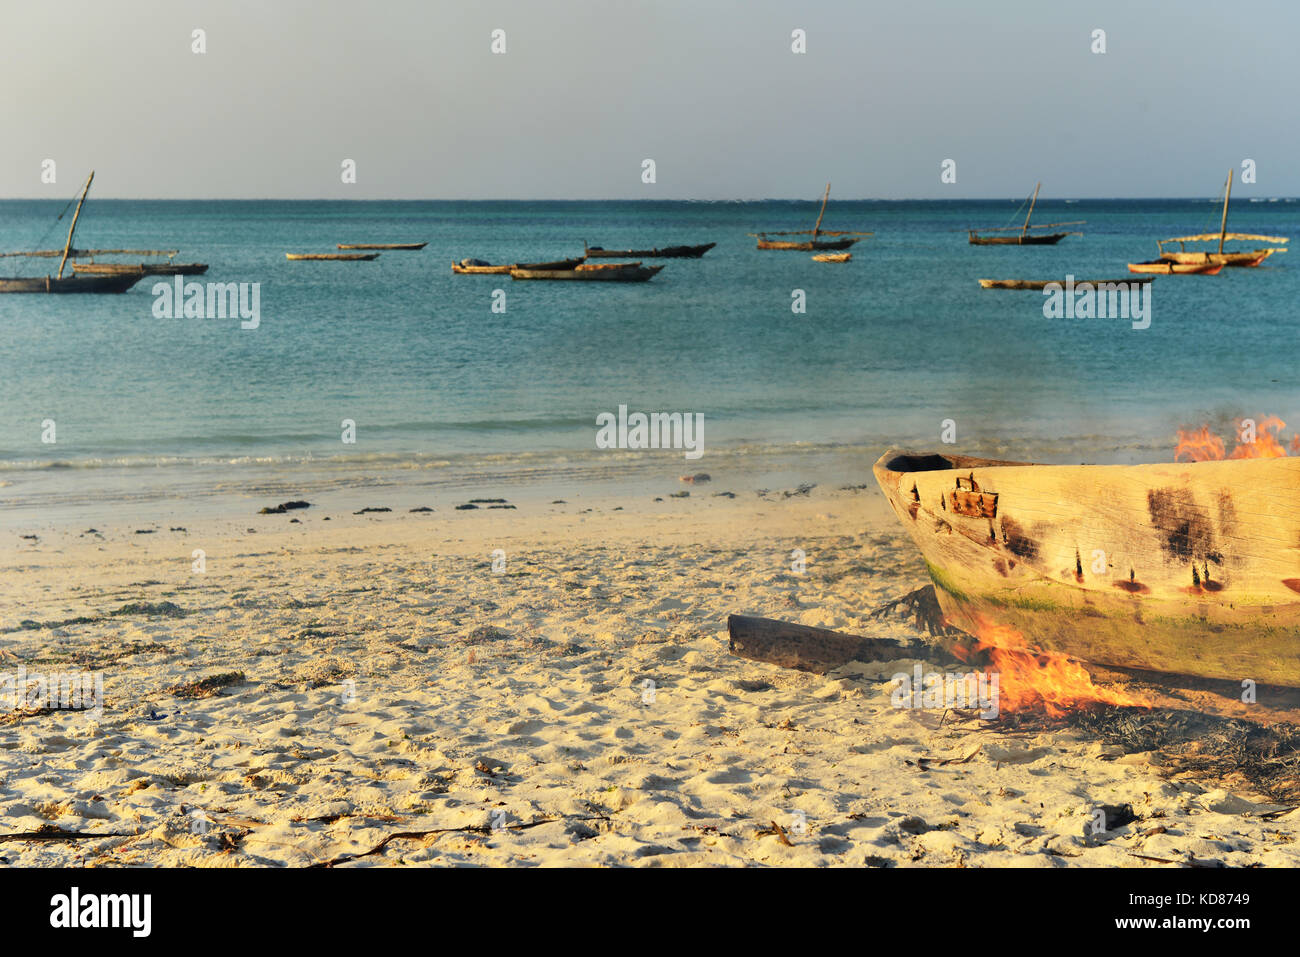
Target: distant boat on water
<point>1023,235</point>
<point>592,272</point>
<point>1163,267</point>
<point>341,257</point>
<point>668,252</point>
<point>1239,258</point>
<point>477,267</point>
<point>58,283</point>
<point>139,269</point>
<point>1044,283</point>
<point>816,243</point>
<point>390,246</point>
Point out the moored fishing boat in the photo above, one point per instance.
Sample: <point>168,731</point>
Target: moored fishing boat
<point>668,252</point>
<point>59,283</point>
<point>396,247</point>
<point>477,267</point>
<point>845,240</point>
<point>70,284</point>
<point>833,257</point>
<point>1044,283</point>
<point>591,272</point>
<point>1162,267</point>
<point>1023,235</point>
<point>1236,258</point>
<point>340,257</point>
<point>1189,568</point>
<point>140,269</point>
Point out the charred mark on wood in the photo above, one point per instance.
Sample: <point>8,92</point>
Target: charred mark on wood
<point>1078,567</point>
<point>1132,586</point>
<point>1017,541</point>
<point>1186,531</point>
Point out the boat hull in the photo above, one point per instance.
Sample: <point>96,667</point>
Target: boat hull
<point>615,274</point>
<point>668,252</point>
<point>333,257</point>
<point>1164,267</point>
<point>71,284</point>
<point>833,257</point>
<point>1246,260</point>
<point>1047,239</point>
<point>1183,568</point>
<point>1044,283</point>
<point>806,246</point>
<point>140,269</point>
<point>396,247</point>
<point>509,267</point>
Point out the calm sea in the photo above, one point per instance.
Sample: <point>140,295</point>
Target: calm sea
<point>890,345</point>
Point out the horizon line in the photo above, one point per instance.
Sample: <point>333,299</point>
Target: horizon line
<point>578,199</point>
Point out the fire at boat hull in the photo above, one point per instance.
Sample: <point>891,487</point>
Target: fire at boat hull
<point>1199,563</point>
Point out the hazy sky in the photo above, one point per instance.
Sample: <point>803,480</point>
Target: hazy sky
<point>587,89</point>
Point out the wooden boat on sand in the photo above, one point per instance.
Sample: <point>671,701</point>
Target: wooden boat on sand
<point>1163,267</point>
<point>1023,235</point>
<point>340,257</point>
<point>816,242</point>
<point>1188,568</point>
<point>396,247</point>
<point>1239,258</point>
<point>140,269</point>
<point>476,267</point>
<point>833,257</point>
<point>592,272</point>
<point>668,252</point>
<point>69,284</point>
<point>1044,283</point>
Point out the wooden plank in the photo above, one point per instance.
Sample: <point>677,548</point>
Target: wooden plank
<point>805,648</point>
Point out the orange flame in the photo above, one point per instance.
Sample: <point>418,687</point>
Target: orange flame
<point>1030,681</point>
<point>1202,445</point>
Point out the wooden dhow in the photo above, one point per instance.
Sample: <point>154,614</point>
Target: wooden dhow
<point>395,247</point>
<point>592,272</point>
<point>1188,568</point>
<point>475,267</point>
<point>668,252</point>
<point>1164,267</point>
<point>1239,258</point>
<point>1044,283</point>
<point>337,257</point>
<point>140,269</point>
<point>70,284</point>
<point>816,242</point>
<point>1023,235</point>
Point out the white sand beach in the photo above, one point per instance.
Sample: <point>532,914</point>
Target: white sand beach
<point>384,697</point>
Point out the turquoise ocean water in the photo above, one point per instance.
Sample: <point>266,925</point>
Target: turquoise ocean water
<point>891,344</point>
